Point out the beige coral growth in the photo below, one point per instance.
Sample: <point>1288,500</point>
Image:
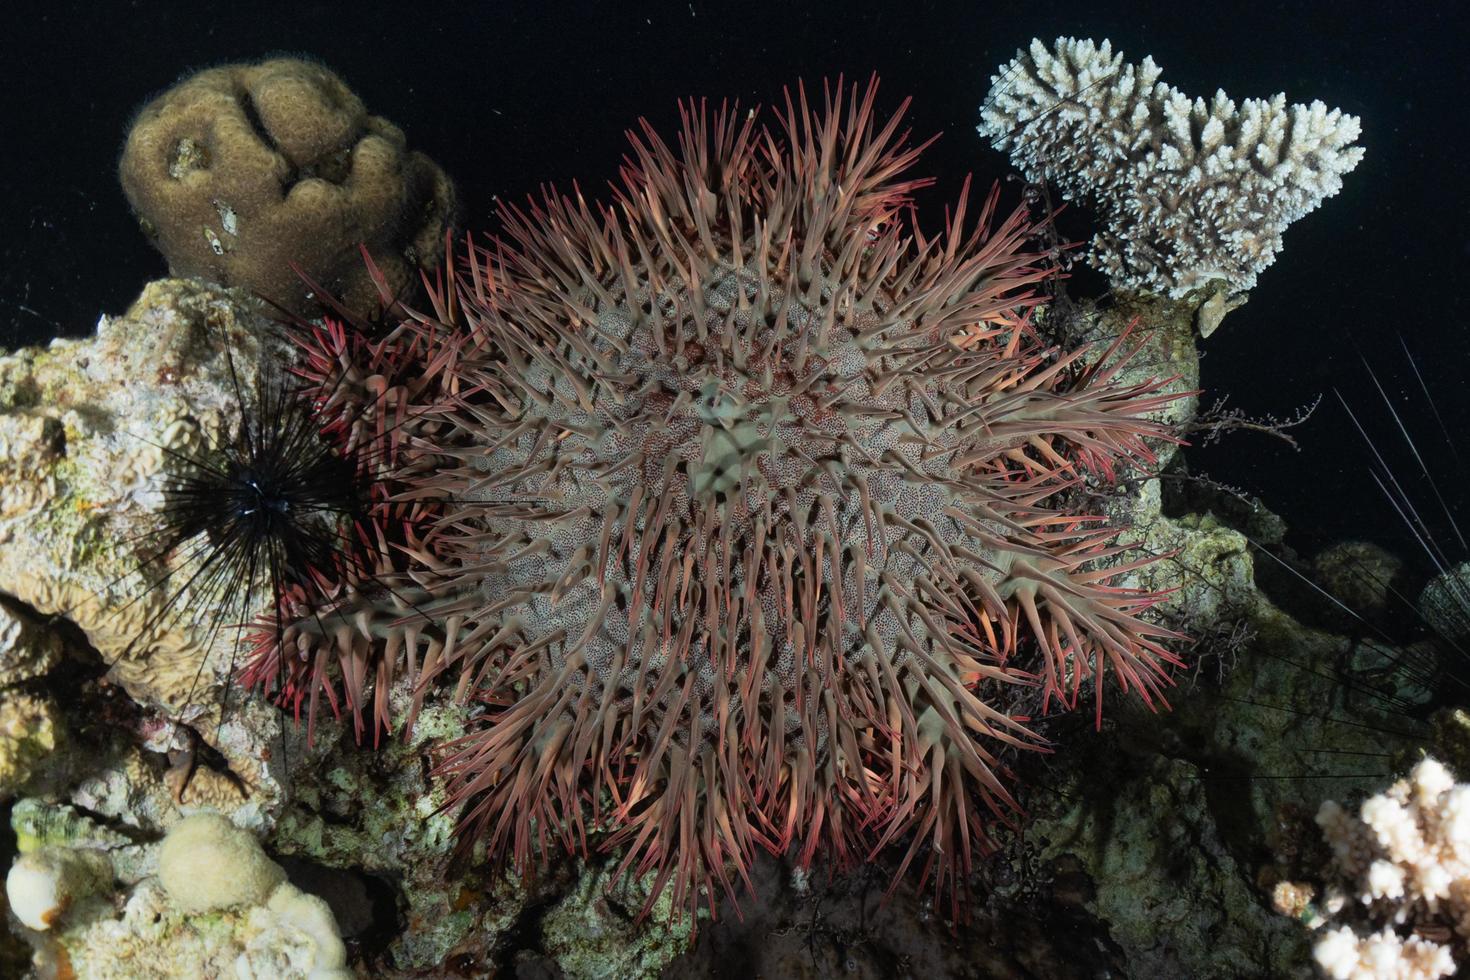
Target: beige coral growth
<point>240,171</point>
<point>218,907</point>
<point>1398,888</point>
<point>26,649</point>
<point>28,734</point>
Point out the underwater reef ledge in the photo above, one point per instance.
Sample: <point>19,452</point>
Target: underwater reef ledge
<point>345,811</point>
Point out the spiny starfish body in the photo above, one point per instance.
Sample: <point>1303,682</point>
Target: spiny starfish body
<point>738,513</point>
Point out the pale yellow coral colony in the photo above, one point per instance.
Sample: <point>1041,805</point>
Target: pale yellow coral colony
<point>1400,874</point>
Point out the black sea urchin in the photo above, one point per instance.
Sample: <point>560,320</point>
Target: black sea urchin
<point>267,507</point>
<point>743,524</point>
<point>364,395</point>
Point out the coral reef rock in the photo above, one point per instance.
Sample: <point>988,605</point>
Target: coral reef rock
<point>217,907</point>
<point>380,814</point>
<point>1187,190</point>
<point>27,649</point>
<point>92,424</point>
<point>241,171</point>
<point>1188,893</point>
<point>29,730</point>
<point>595,930</point>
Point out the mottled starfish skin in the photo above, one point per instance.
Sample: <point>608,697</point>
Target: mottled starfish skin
<point>743,527</point>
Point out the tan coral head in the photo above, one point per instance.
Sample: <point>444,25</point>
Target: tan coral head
<point>241,172</point>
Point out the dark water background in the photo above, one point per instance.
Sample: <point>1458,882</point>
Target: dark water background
<point>508,95</point>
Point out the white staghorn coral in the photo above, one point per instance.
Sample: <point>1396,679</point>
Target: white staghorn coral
<point>1400,867</point>
<point>1345,955</point>
<point>1187,190</point>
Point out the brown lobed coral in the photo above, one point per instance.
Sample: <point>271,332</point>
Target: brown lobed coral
<point>737,512</point>
<point>240,172</point>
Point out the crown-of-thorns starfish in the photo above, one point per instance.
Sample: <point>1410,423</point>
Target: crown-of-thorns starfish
<point>742,533</point>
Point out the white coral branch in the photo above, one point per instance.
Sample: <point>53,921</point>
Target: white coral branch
<point>1400,872</point>
<point>1187,190</point>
